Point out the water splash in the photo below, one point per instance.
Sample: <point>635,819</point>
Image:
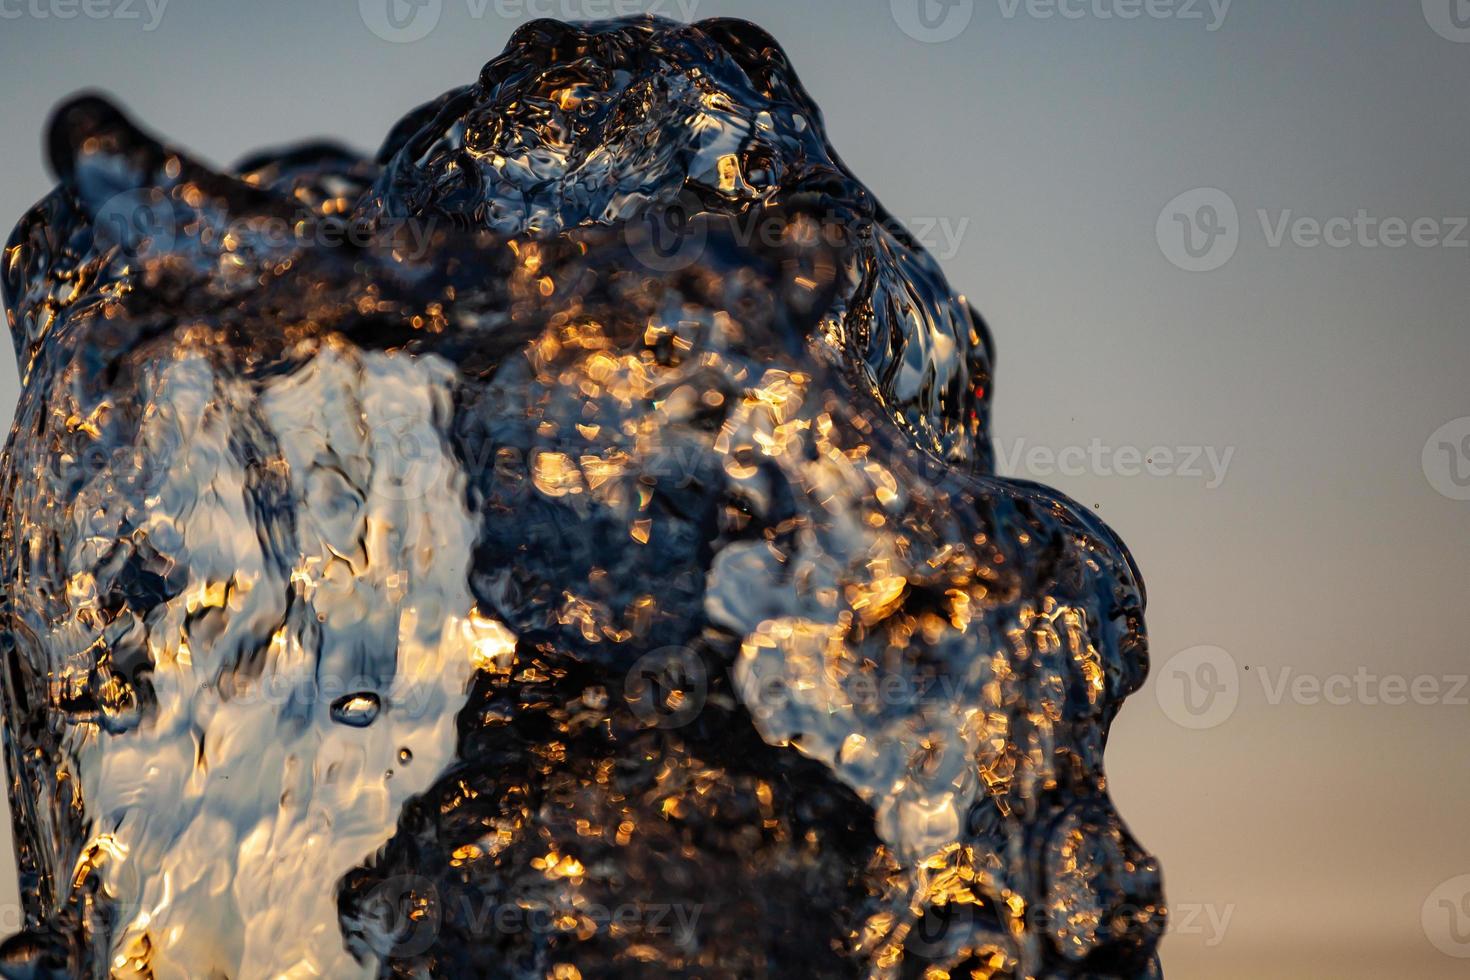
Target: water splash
<point>565,546</point>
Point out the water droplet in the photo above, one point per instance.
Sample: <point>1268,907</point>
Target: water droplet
<point>405,756</point>
<point>357,710</point>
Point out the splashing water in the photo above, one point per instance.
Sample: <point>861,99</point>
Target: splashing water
<point>565,546</point>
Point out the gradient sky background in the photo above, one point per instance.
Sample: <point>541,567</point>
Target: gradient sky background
<point>1050,146</point>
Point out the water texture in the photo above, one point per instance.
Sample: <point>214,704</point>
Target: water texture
<point>565,545</point>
